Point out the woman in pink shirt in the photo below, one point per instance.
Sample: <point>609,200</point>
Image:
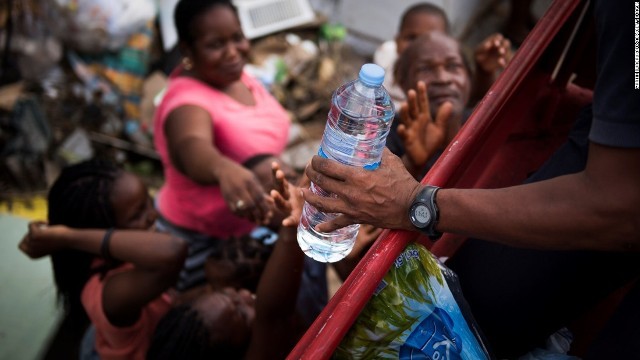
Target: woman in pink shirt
<point>213,118</point>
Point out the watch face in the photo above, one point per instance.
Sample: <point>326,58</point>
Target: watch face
<point>422,214</point>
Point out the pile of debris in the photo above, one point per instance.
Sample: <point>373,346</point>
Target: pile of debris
<point>302,70</point>
<point>64,111</point>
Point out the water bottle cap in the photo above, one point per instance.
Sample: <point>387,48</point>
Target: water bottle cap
<point>371,74</point>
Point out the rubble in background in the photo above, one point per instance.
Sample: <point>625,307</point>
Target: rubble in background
<point>64,111</point>
<point>302,70</point>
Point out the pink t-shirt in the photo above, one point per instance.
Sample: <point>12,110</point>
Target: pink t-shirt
<point>122,343</point>
<point>239,132</point>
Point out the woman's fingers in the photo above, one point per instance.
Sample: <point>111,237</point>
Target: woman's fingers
<point>253,206</point>
<point>261,212</point>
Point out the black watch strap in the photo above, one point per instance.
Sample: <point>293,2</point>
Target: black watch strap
<point>426,223</point>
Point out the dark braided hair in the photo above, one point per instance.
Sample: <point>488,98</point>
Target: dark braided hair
<point>188,10</point>
<point>238,262</point>
<point>181,334</point>
<point>425,8</point>
<point>80,198</point>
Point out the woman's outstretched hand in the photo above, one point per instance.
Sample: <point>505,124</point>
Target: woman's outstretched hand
<point>244,194</point>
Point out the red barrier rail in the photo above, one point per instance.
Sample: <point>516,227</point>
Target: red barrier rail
<point>523,118</point>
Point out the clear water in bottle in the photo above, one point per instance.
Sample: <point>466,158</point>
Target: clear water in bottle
<point>357,127</point>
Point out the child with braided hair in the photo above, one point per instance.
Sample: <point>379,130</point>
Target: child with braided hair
<point>233,324</point>
<point>106,261</point>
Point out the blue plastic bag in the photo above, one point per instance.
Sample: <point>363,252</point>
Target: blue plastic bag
<point>416,312</point>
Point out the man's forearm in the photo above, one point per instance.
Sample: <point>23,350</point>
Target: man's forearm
<point>596,209</point>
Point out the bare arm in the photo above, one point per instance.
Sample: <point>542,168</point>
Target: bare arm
<point>275,329</point>
<point>157,260</point>
<point>192,150</point>
<point>594,209</point>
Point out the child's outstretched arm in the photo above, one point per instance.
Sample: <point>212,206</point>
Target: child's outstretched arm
<point>157,260</point>
<point>275,329</point>
<point>422,135</point>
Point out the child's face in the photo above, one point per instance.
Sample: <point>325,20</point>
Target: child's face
<point>132,204</point>
<point>416,25</point>
<point>436,60</point>
<point>229,314</point>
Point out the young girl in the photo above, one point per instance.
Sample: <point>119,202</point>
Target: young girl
<point>105,258</point>
<point>232,324</point>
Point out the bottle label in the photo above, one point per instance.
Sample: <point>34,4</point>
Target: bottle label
<point>321,153</point>
<point>369,167</point>
<point>373,166</point>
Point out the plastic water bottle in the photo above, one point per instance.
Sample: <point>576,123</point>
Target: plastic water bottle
<point>357,127</point>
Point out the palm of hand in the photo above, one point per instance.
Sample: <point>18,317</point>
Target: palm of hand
<point>422,139</point>
<point>493,54</point>
<point>489,61</point>
<point>287,197</point>
<point>421,135</point>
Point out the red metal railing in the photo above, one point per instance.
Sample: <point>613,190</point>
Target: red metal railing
<point>522,119</point>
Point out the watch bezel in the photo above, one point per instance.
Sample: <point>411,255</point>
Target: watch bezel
<point>414,219</point>
<point>426,198</point>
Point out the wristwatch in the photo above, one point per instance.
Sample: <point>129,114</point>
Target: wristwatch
<point>423,212</point>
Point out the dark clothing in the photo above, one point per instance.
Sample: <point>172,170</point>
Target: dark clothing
<point>520,296</point>
<point>616,103</point>
<point>619,338</point>
<point>394,143</point>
